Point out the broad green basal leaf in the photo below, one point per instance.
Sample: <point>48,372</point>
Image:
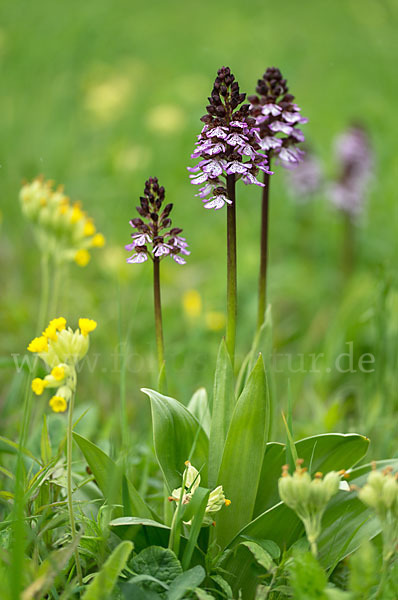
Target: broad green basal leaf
<point>243,455</point>
<point>108,476</point>
<point>199,407</point>
<point>222,409</point>
<point>178,436</point>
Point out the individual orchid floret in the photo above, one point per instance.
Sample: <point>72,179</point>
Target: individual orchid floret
<point>61,349</point>
<point>308,497</point>
<point>153,235</point>
<point>191,481</point>
<point>62,229</point>
<point>380,493</point>
<point>228,144</point>
<point>278,118</point>
<point>354,157</point>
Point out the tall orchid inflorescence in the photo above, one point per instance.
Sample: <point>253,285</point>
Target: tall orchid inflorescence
<point>354,155</point>
<point>277,117</point>
<point>228,144</point>
<point>154,236</point>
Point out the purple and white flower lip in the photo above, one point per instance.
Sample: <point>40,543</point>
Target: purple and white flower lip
<point>228,145</point>
<point>355,158</point>
<point>277,117</point>
<point>153,235</point>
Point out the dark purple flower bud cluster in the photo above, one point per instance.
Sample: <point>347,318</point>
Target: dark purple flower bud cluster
<point>354,154</point>
<point>153,235</point>
<point>229,143</point>
<point>277,117</point>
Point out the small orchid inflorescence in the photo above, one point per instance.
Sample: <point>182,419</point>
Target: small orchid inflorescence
<point>277,117</point>
<point>154,237</point>
<point>63,230</point>
<point>308,497</point>
<point>354,156</point>
<point>61,349</point>
<point>191,481</point>
<point>229,143</point>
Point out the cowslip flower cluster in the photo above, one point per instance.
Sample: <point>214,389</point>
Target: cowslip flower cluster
<point>62,228</point>
<point>354,156</point>
<point>228,145</point>
<point>153,235</point>
<point>61,349</point>
<point>191,481</point>
<point>308,497</point>
<point>380,493</point>
<point>277,117</point>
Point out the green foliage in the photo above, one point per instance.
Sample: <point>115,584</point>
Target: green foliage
<point>108,476</point>
<point>178,437</point>
<point>307,578</point>
<point>222,410</point>
<point>105,580</point>
<point>243,454</point>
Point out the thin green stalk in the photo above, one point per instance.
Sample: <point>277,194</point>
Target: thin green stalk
<point>231,269</point>
<point>262,279</point>
<point>122,380</point>
<point>58,268</point>
<point>348,257</point>
<point>44,293</point>
<point>69,485</point>
<point>158,313</point>
<point>19,533</point>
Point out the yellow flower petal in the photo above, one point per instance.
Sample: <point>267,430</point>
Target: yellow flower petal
<point>98,240</point>
<point>87,325</point>
<point>58,373</point>
<point>82,257</point>
<point>58,404</point>
<point>38,385</point>
<point>89,228</point>
<point>38,344</point>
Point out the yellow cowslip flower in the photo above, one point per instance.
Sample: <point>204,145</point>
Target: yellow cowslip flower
<point>38,344</point>
<point>64,230</point>
<point>191,480</point>
<point>87,325</point>
<point>192,303</point>
<point>58,372</point>
<point>89,228</point>
<point>58,404</point>
<point>38,385</point>
<point>77,213</point>
<point>59,323</point>
<point>50,332</point>
<point>82,257</point>
<point>98,241</point>
<point>215,320</point>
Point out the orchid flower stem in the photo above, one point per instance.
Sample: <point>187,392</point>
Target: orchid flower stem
<point>69,485</point>
<point>231,269</point>
<point>158,312</point>
<point>348,258</point>
<point>262,280</point>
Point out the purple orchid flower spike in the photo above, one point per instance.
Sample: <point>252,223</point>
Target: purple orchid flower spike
<point>153,236</point>
<point>354,155</point>
<point>277,117</point>
<point>229,144</point>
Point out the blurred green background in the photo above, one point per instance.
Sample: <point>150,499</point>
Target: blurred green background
<point>101,95</point>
